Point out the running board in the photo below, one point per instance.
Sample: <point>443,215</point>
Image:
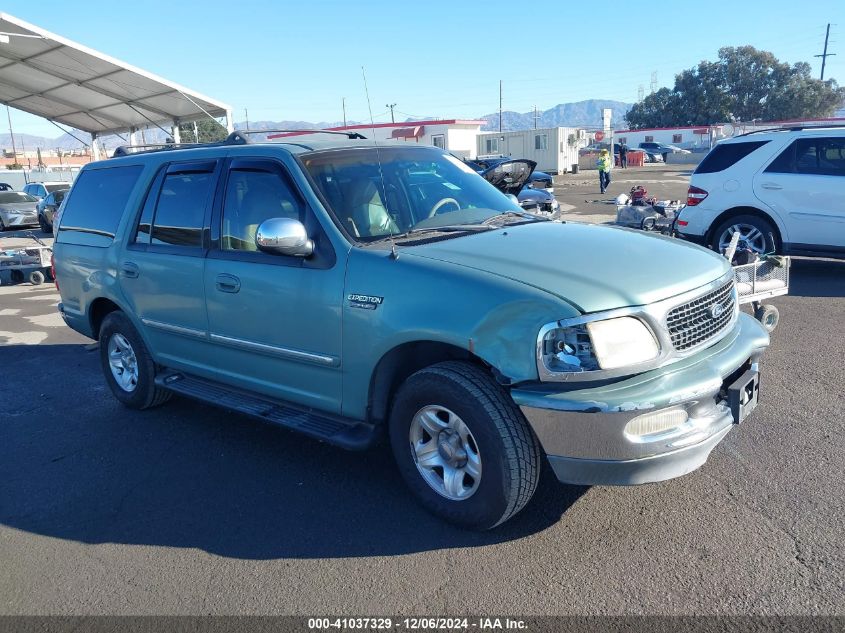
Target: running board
<point>334,429</point>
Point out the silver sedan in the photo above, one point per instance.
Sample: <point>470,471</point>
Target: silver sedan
<point>17,210</point>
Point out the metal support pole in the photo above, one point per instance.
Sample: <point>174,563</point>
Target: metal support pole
<point>133,141</point>
<point>177,138</point>
<point>230,123</point>
<point>95,148</point>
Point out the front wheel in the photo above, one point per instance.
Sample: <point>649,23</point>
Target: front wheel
<point>42,224</point>
<point>462,446</point>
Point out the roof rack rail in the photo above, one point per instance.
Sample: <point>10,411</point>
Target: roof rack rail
<point>792,128</point>
<point>238,137</point>
<point>146,148</point>
<point>349,135</point>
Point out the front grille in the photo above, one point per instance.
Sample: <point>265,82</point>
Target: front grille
<point>693,324</point>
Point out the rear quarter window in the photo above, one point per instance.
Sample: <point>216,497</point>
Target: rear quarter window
<point>96,204</point>
<point>726,155</point>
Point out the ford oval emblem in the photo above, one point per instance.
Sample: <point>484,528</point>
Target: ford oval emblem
<point>716,310</point>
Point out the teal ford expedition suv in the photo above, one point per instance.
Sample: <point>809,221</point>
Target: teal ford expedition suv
<point>352,291</point>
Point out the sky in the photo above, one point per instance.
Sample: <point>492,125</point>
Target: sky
<point>286,60</point>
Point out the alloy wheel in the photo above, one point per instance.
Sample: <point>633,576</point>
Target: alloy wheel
<point>445,452</point>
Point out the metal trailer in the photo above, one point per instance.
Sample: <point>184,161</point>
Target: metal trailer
<point>760,280</point>
<point>33,263</point>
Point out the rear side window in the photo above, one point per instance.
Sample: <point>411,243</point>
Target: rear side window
<point>180,213</point>
<point>180,206</point>
<point>819,156</point>
<point>98,200</point>
<point>726,155</point>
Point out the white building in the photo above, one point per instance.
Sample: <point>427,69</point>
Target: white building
<point>554,149</point>
<point>688,137</point>
<point>699,136</point>
<point>454,135</point>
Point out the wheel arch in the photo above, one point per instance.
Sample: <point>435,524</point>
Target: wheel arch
<point>99,309</point>
<point>744,210</point>
<point>396,365</point>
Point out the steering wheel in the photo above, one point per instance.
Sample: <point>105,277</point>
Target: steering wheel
<point>442,202</point>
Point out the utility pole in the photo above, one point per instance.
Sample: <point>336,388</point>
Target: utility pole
<point>344,111</point>
<point>825,55</point>
<point>246,116</point>
<point>500,106</point>
<point>391,106</point>
<point>12,134</point>
<point>536,116</point>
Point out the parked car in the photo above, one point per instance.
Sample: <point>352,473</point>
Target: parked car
<point>510,177</point>
<point>662,150</point>
<point>17,210</point>
<point>538,179</point>
<point>781,190</point>
<point>40,190</point>
<point>351,291</point>
<point>47,208</point>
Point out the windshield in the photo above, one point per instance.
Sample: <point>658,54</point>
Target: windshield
<point>376,192</point>
<point>11,197</point>
<point>52,188</point>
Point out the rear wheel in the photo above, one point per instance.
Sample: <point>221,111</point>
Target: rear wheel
<point>768,316</point>
<point>128,367</point>
<point>755,232</point>
<point>462,446</point>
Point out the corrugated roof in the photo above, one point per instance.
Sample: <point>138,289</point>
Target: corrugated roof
<point>52,77</point>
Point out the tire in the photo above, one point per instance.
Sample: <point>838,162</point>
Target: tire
<point>764,240</point>
<point>2,226</point>
<point>498,441</point>
<point>116,334</point>
<point>36,278</point>
<point>42,224</point>
<point>768,315</point>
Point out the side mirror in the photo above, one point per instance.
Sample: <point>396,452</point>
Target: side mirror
<point>283,236</point>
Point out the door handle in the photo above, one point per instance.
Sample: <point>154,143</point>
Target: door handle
<point>130,270</point>
<point>228,283</point>
<point>771,185</point>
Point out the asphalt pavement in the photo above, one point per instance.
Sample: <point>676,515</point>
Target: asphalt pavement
<point>188,509</point>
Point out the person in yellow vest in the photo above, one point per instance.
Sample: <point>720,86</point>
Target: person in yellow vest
<point>605,164</point>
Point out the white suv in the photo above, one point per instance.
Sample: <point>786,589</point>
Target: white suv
<point>782,190</point>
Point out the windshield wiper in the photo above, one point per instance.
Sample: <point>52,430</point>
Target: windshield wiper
<point>515,214</point>
<point>446,228</point>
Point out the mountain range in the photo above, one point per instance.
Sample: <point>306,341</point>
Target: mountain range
<point>580,114</point>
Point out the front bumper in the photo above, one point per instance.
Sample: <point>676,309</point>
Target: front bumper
<point>20,219</point>
<point>586,434</point>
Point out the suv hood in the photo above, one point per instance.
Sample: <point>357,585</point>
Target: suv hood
<point>510,176</point>
<point>594,268</point>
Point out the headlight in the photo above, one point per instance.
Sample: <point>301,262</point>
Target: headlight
<point>595,346</point>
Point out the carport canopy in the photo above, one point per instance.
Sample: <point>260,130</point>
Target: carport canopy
<point>49,76</point>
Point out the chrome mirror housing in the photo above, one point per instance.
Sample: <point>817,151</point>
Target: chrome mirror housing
<point>283,236</point>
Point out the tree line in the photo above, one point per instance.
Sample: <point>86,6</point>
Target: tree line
<point>743,85</point>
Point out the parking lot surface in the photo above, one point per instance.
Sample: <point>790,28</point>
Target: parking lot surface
<point>188,509</point>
